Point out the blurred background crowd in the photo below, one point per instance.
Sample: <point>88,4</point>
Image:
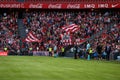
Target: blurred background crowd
<point>99,30</point>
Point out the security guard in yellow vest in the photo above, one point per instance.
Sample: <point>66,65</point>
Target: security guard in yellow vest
<point>50,51</point>
<point>62,51</point>
<point>90,52</point>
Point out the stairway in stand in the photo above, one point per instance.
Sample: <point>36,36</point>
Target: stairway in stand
<point>21,28</point>
<point>22,34</point>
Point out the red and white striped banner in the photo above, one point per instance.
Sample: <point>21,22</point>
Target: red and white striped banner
<point>71,28</point>
<point>31,38</point>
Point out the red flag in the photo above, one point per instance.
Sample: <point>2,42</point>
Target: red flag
<point>31,38</point>
<point>71,28</point>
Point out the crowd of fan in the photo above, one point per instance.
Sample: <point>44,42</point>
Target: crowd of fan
<point>9,38</point>
<point>47,26</point>
<point>105,46</point>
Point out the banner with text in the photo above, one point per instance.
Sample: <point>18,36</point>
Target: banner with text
<point>59,5</point>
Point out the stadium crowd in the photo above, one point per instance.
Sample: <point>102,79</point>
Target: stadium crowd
<point>47,26</point>
<point>9,38</point>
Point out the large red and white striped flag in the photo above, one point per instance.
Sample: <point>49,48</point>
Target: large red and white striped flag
<point>31,38</point>
<point>71,28</point>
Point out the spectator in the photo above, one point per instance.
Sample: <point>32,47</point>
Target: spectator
<point>99,50</point>
<point>108,50</point>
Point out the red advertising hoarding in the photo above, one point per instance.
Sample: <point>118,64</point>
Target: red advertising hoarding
<point>3,53</point>
<point>59,5</point>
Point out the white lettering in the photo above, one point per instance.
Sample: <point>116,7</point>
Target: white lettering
<point>102,5</point>
<point>89,5</point>
<point>10,6</point>
<point>22,6</point>
<point>77,6</point>
<point>58,6</point>
<point>35,6</point>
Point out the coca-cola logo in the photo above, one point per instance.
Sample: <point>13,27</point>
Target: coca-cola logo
<point>77,6</point>
<point>35,5</point>
<point>58,6</point>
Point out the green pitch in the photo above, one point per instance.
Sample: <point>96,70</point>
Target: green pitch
<point>49,68</point>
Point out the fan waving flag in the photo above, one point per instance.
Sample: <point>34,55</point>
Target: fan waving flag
<point>31,38</point>
<point>71,28</point>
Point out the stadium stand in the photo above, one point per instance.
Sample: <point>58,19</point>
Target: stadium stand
<point>40,29</point>
<point>9,31</point>
<point>50,28</point>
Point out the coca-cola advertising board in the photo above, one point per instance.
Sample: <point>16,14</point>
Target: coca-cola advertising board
<point>59,5</point>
